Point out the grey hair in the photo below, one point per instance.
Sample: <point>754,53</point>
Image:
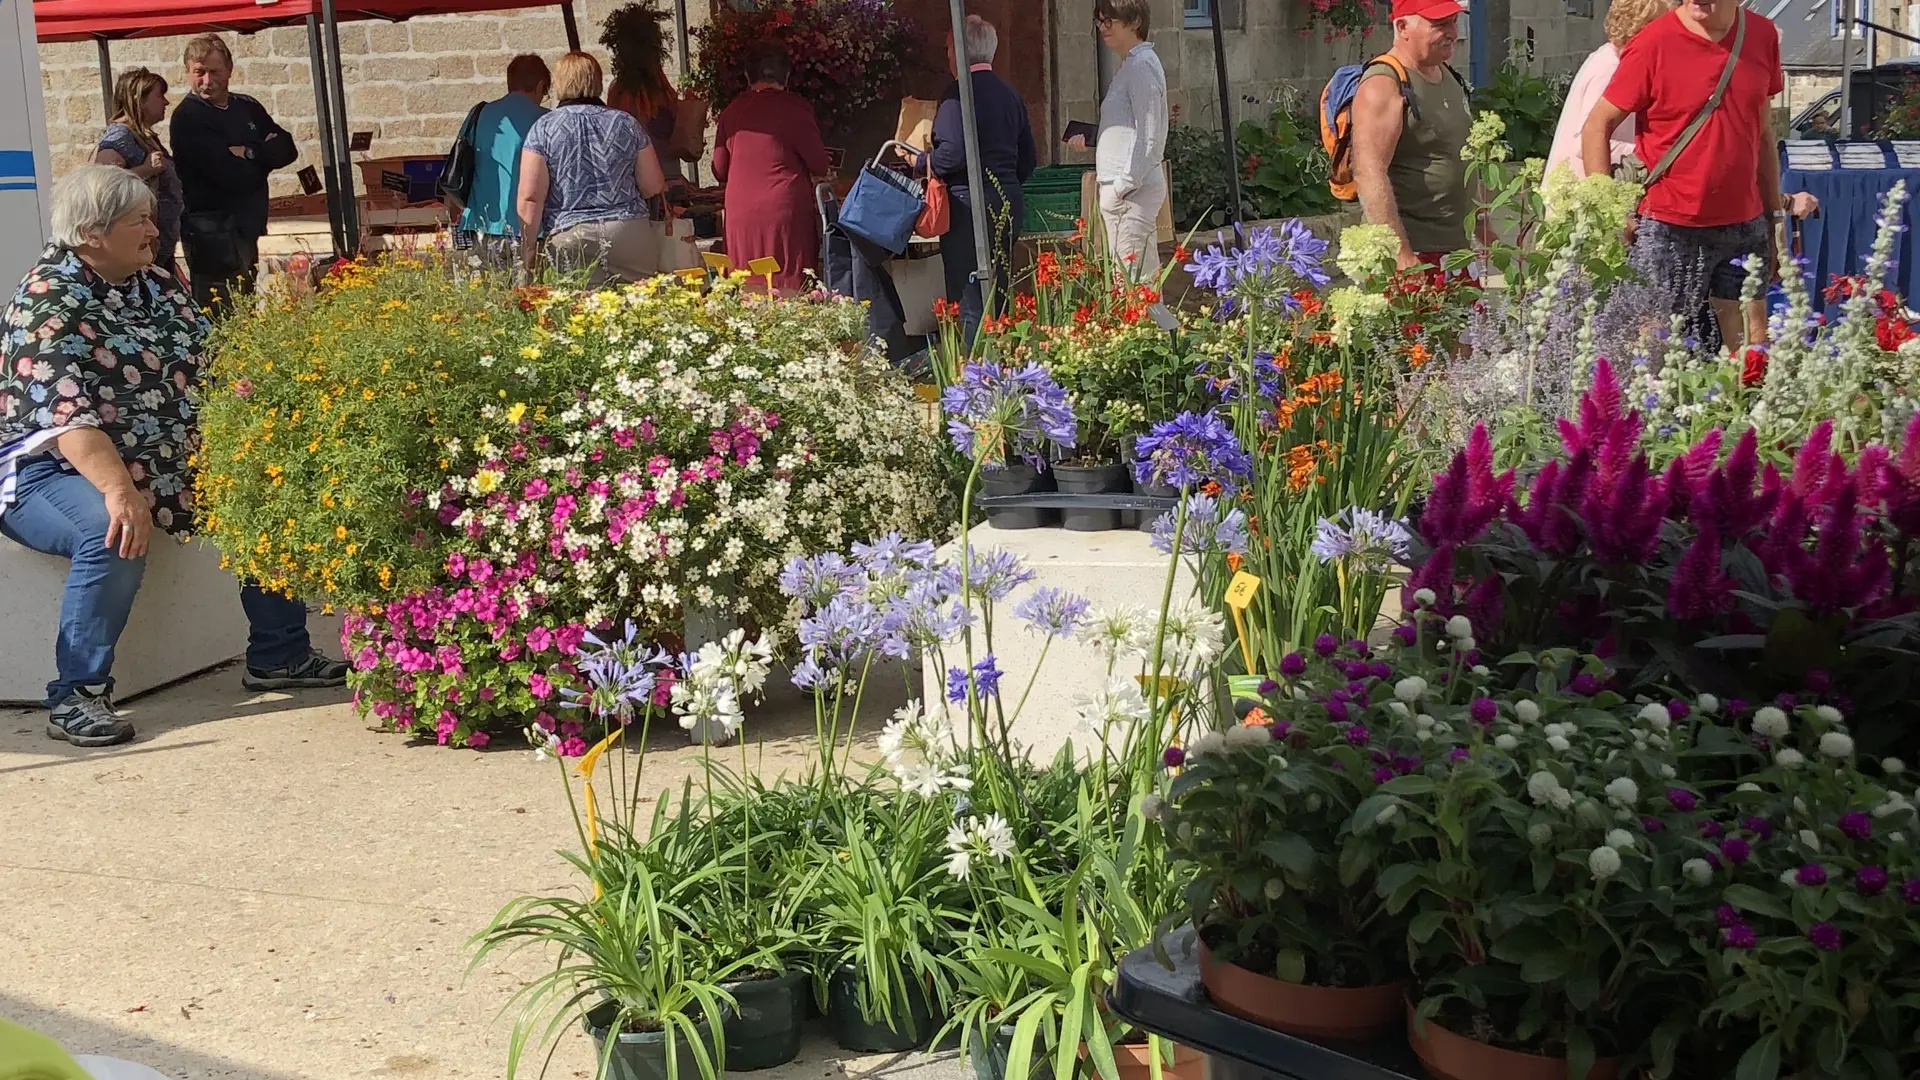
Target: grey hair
<point>983,41</point>
<point>91,198</point>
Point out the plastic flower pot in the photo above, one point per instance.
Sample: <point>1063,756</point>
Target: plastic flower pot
<point>1090,480</point>
<point>1018,480</point>
<point>989,1059</point>
<point>1455,1057</point>
<point>764,1029</point>
<point>1319,1012</point>
<point>1157,491</point>
<point>1135,1061</point>
<point>854,1031</point>
<point>639,1055</point>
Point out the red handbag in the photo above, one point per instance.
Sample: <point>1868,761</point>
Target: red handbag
<point>938,216</point>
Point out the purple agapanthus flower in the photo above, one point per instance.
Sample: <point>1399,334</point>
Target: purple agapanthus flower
<point>986,677</point>
<point>1191,450</point>
<point>1053,612</point>
<point>820,578</point>
<point>893,551</point>
<point>997,412</point>
<point>1208,530</point>
<point>995,574</point>
<point>1367,538</point>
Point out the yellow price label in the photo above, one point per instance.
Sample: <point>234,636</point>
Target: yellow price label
<point>693,276</point>
<point>1241,590</point>
<point>1164,686</point>
<point>718,263</point>
<point>764,266</point>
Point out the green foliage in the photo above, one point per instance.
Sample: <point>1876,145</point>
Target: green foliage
<point>1529,103</point>
<point>1284,168</point>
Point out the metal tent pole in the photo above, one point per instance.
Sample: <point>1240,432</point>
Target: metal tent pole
<point>106,78</point>
<point>976,174</point>
<point>1226,116</point>
<point>337,103</point>
<point>686,60</point>
<point>329,163</point>
<point>1846,68</point>
<point>573,26</point>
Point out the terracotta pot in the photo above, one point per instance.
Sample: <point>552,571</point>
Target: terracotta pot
<point>1320,1012</point>
<point>1136,1063</point>
<point>1455,1057</point>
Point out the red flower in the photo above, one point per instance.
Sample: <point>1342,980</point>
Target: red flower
<point>1892,331</point>
<point>1753,370</point>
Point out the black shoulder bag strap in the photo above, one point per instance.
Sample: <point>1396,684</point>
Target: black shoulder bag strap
<point>1706,111</point>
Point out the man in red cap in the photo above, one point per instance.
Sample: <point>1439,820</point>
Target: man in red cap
<point>1411,116</point>
<point>1700,79</point>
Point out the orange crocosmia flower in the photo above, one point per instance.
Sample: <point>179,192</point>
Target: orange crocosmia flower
<point>1417,356</point>
<point>1046,270</point>
<point>1256,718</point>
<point>1211,489</point>
<point>1234,560</point>
<point>1180,253</point>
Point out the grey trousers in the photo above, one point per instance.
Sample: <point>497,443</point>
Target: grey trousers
<point>607,250</point>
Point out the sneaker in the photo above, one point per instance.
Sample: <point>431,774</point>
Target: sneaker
<point>86,718</point>
<point>316,672</point>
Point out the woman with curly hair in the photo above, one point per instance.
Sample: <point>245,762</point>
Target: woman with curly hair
<point>635,38</point>
<point>1625,18</point>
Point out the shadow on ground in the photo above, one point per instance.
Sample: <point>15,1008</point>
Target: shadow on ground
<point>87,1035</point>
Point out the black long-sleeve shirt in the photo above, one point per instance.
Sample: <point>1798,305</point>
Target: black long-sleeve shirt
<point>1007,151</point>
<point>212,177</point>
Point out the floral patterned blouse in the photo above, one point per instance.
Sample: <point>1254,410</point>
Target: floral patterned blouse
<point>81,352</point>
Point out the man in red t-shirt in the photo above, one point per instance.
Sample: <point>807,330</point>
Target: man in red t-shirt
<point>1720,198</point>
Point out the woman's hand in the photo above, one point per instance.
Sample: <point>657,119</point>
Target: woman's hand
<point>129,522</point>
<point>1078,142</point>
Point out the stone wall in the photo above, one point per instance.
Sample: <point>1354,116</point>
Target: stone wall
<point>409,83</point>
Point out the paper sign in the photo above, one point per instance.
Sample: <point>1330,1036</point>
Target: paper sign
<point>395,181</point>
<point>310,180</point>
<point>360,142</point>
<point>768,265</point>
<point>1241,590</point>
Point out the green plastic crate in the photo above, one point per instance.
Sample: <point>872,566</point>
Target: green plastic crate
<point>1049,212</point>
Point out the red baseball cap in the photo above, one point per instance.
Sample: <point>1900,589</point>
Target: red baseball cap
<point>1431,10</point>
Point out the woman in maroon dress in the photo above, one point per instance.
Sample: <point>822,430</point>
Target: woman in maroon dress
<point>768,151</point>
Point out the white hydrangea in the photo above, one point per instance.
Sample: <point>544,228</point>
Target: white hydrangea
<point>1212,742</point>
<point>1540,834</point>
<point>1275,888</point>
<point>1604,862</point>
<point>1893,804</point>
<point>1835,744</point>
<point>1770,722</point>
<point>1423,722</point>
<point>1546,790</point>
<point>1248,737</point>
<point>1810,839</point>
<point>1559,743</point>
<point>1152,806</point>
<point>1399,709</point>
<point>1892,766</point>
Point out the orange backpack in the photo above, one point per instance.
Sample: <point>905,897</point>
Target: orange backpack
<point>1336,117</point>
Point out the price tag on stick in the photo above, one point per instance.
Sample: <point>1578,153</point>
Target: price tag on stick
<point>1240,593</point>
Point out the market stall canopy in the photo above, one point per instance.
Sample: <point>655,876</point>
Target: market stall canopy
<point>88,20</point>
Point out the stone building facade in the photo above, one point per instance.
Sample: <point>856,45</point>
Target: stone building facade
<point>411,83</point>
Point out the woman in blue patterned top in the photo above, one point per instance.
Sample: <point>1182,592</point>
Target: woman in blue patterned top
<point>585,175</point>
<point>131,141</point>
<point>101,355</point>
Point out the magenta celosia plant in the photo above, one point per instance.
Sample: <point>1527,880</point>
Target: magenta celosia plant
<point>1719,574</point>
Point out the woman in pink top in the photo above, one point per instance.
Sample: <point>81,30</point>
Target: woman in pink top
<point>1625,18</point>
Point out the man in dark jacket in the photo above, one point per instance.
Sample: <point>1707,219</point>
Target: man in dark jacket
<point>225,145</point>
<point>1007,157</point>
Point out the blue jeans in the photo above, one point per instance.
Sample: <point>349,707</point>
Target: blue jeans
<point>61,513</point>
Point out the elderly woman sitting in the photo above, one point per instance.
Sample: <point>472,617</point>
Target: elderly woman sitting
<point>96,426</point>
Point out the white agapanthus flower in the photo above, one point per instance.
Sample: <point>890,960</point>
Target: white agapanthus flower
<point>1410,689</point>
<point>1117,705</point>
<point>1459,627</point>
<point>1603,862</point>
<point>1697,871</point>
<point>928,779</point>
<point>1835,744</point>
<point>1196,634</point>
<point>1656,716</point>
<point>1623,792</point>
<point>980,838</point>
<point>1789,758</point>
<point>1770,722</point>
<point>1620,840</point>
<point>1526,711</point>
<point>1119,633</point>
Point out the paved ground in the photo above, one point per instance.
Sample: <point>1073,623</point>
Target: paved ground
<point>261,887</point>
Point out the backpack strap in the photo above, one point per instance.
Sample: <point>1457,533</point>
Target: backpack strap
<point>1400,71</point>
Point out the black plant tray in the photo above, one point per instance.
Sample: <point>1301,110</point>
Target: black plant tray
<point>1173,1004</point>
<point>1117,500</point>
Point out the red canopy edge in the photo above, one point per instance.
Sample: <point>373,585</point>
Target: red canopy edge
<point>86,20</point>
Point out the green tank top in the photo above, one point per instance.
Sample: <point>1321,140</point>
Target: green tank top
<point>1429,179</point>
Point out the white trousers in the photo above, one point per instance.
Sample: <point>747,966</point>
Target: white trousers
<point>1133,225</point>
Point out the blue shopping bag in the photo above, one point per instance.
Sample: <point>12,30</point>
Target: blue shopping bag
<point>883,206</point>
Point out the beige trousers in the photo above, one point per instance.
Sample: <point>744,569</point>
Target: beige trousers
<point>608,250</point>
<point>1133,225</point>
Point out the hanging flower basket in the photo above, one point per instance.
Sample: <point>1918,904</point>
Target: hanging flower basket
<point>847,54</point>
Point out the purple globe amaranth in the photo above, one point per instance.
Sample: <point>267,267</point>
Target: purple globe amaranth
<point>1459,753</point>
<point>1652,824</point>
<point>1682,800</point>
<point>1727,915</point>
<point>1711,828</point>
<point>1856,824</point>
<point>1910,890</point>
<point>1383,774</point>
<point>1358,735</point>
<point>1484,710</point>
<point>1810,875</point>
<point>1337,712</point>
<point>1380,669</point>
<point>1326,645</point>
<point>1736,850</point>
<point>1406,634</point>
<point>1758,826</point>
<point>1870,881</point>
<point>1404,764</point>
<point>1679,710</point>
<point>1817,681</point>
<point>1267,686</point>
<point>1280,729</point>
<point>1825,936</point>
<point>1584,684</point>
<point>1173,757</point>
<point>1740,936</point>
<point>1293,665</point>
